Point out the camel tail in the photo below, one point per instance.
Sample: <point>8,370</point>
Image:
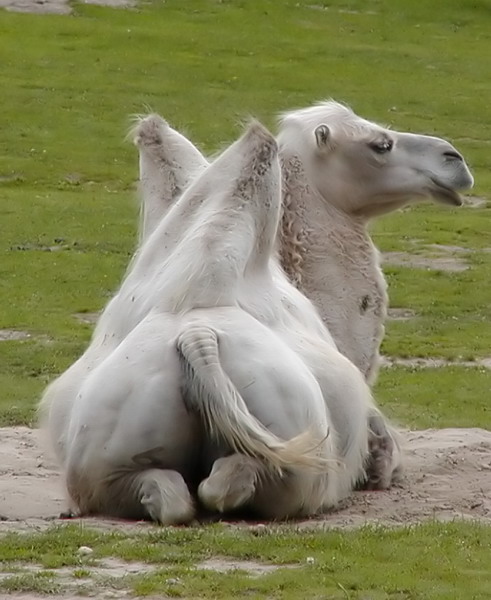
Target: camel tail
<point>212,394</point>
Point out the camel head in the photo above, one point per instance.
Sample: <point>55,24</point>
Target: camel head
<point>365,169</point>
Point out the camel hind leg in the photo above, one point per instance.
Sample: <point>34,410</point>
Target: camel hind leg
<point>231,483</point>
<point>240,481</point>
<point>160,495</point>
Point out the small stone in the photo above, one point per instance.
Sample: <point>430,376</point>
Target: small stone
<point>259,529</point>
<point>173,581</point>
<point>310,560</point>
<point>84,551</point>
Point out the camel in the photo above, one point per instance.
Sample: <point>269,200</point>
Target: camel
<point>217,388</point>
<point>339,171</point>
<point>163,179</point>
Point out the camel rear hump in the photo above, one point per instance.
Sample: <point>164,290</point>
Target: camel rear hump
<point>234,229</point>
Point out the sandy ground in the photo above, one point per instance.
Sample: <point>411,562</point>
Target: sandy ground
<point>61,7</point>
<point>448,475</point>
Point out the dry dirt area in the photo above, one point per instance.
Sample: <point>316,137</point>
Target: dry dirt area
<point>448,475</point>
<point>437,257</point>
<point>433,363</point>
<point>61,7</point>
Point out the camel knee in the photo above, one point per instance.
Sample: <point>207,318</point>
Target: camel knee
<point>231,483</point>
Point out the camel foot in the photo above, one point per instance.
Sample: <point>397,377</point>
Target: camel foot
<point>384,466</point>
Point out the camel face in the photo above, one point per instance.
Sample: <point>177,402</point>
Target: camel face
<point>364,169</point>
<point>441,167</point>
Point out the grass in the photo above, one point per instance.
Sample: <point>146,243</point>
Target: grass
<point>68,214</point>
<point>67,193</point>
<point>431,561</point>
<point>448,397</point>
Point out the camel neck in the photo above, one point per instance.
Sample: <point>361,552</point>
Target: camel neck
<point>314,230</point>
<point>329,256</point>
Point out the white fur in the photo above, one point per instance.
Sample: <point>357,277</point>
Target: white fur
<point>265,368</point>
<point>332,184</point>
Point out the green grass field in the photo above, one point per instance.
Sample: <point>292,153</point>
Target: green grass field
<point>68,220</point>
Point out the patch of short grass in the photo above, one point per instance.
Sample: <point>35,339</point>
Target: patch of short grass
<point>41,583</point>
<point>67,177</point>
<point>443,397</point>
<point>453,312</point>
<point>434,561</point>
<point>81,573</point>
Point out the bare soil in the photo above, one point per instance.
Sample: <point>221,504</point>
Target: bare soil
<point>448,475</point>
<point>433,363</point>
<point>475,202</point>
<point>438,257</point>
<point>400,314</point>
<point>8,335</point>
<point>417,261</point>
<point>61,7</point>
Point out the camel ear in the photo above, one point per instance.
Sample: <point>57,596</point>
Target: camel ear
<point>322,136</point>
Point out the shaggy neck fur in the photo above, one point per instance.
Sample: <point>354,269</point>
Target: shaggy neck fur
<point>330,257</point>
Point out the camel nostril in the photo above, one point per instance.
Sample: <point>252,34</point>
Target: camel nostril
<point>452,155</point>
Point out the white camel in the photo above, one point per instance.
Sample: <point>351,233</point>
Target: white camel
<point>214,370</point>
<point>339,170</point>
<point>168,164</point>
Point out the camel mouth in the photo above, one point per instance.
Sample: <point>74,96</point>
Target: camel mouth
<point>444,194</point>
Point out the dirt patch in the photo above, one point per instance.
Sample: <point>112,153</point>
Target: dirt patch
<point>8,335</point>
<point>253,568</point>
<point>400,314</point>
<point>322,7</point>
<point>475,201</point>
<point>438,257</point>
<point>448,475</point>
<point>433,363</point>
<point>105,578</point>
<point>57,597</point>
<point>416,261</point>
<point>108,567</point>
<point>113,3</point>
<point>446,248</point>
<point>61,7</point>
<point>30,486</point>
<point>88,317</point>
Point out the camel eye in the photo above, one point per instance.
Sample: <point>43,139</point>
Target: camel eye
<point>382,147</point>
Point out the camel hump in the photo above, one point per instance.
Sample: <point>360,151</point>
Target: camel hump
<point>211,393</point>
<point>232,233</point>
